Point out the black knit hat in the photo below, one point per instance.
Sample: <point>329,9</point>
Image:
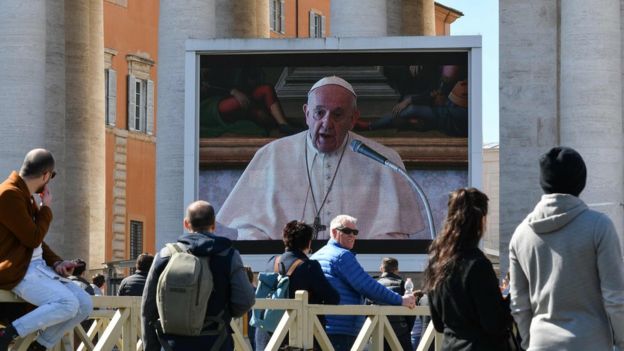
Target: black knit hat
<point>562,170</point>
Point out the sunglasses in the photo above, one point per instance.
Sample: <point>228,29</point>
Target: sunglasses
<point>52,174</point>
<point>348,230</point>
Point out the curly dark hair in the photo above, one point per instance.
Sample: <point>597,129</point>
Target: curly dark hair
<point>297,235</point>
<point>463,228</point>
<point>98,280</point>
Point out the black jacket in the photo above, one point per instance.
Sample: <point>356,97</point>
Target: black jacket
<point>83,283</point>
<point>308,276</point>
<point>469,308</point>
<point>133,285</point>
<point>400,324</point>
<point>232,294</point>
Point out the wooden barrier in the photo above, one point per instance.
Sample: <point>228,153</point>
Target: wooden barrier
<point>117,324</point>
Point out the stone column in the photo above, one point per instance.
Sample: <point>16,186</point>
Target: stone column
<point>96,144</point>
<point>528,107</point>
<point>78,129</point>
<point>418,17</point>
<point>22,80</point>
<point>263,27</point>
<point>358,18</point>
<point>54,116</point>
<point>394,10</point>
<point>179,20</point>
<point>236,19</point>
<point>591,99</point>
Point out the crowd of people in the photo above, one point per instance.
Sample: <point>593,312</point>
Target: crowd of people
<point>566,281</point>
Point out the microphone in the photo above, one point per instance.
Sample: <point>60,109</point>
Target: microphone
<point>361,148</point>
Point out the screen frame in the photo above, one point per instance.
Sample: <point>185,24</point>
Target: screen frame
<point>471,45</point>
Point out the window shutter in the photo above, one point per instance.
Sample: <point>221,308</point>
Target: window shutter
<point>111,99</point>
<point>272,14</point>
<point>150,108</point>
<point>131,104</point>
<point>312,24</point>
<point>142,110</point>
<point>323,26</point>
<point>282,18</point>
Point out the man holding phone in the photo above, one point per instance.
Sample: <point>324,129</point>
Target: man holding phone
<point>28,267</point>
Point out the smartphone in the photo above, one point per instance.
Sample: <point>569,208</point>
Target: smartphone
<point>79,263</point>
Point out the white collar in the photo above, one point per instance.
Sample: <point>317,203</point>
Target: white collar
<point>313,151</point>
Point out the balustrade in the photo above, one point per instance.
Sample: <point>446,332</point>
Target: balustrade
<point>117,324</point>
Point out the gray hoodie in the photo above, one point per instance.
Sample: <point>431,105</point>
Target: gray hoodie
<point>567,277</point>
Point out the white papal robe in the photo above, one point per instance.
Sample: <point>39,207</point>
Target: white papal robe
<point>274,190</point>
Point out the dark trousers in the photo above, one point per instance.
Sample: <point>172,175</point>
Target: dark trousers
<point>198,343</point>
<point>404,339</point>
<point>262,339</point>
<point>342,342</point>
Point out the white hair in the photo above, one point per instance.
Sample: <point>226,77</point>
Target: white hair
<point>342,220</point>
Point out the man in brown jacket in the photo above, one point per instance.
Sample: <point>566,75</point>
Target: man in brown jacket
<point>28,267</point>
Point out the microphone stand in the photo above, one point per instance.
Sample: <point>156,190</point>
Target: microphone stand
<point>418,190</point>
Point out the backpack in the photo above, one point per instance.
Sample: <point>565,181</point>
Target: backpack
<point>183,291</point>
<point>272,285</point>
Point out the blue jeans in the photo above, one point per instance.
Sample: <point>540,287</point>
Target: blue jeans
<point>342,342</point>
<point>261,339</point>
<point>61,304</point>
<point>416,333</point>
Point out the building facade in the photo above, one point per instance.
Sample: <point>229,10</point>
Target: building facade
<point>131,56</point>
<point>491,187</point>
<point>299,18</point>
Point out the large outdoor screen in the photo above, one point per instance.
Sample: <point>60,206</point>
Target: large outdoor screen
<point>413,106</point>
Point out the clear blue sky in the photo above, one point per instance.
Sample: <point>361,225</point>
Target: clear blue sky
<point>481,18</point>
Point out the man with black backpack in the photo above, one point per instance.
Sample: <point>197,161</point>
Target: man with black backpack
<point>194,288</point>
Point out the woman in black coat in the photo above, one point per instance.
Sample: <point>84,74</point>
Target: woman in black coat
<point>307,275</point>
<point>465,300</point>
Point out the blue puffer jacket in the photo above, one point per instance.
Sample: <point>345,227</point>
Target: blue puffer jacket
<point>353,284</point>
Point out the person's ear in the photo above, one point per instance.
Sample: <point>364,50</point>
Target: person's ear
<point>354,118</point>
<point>213,227</point>
<point>187,224</point>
